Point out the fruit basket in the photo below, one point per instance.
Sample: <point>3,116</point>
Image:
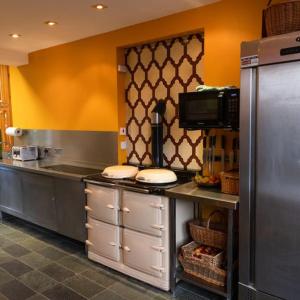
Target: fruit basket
<point>207,181</point>
<point>197,268</point>
<point>207,254</point>
<point>208,233</point>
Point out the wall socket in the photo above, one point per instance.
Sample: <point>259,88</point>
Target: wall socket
<point>124,145</point>
<point>123,131</point>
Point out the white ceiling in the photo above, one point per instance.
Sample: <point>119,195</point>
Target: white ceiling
<point>76,20</point>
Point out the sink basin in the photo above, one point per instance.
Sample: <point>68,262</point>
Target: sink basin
<point>72,169</point>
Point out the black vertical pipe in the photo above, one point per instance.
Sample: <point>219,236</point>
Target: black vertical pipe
<point>157,133</point>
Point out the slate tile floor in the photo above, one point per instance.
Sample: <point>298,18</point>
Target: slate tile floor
<point>36,264</point>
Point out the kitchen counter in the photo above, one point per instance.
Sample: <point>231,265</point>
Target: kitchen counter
<point>36,166</point>
<point>190,191</point>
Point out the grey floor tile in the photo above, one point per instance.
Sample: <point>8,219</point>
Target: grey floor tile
<point>60,292</point>
<point>129,291</point>
<point>16,250</point>
<point>36,297</point>
<point>73,263</point>
<point>99,277</point>
<point>2,297</point>
<point>15,290</point>
<point>5,277</point>
<point>107,295</point>
<point>52,253</point>
<point>4,257</point>
<point>6,229</point>
<point>57,272</point>
<point>161,297</point>
<point>17,236</point>
<point>83,286</point>
<point>16,268</point>
<point>4,242</point>
<point>37,281</point>
<point>157,293</point>
<point>33,244</point>
<point>35,260</point>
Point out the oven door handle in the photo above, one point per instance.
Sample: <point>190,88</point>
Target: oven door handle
<point>158,248</point>
<point>159,269</point>
<point>157,226</point>
<point>88,243</point>
<point>87,208</point>
<point>126,209</point>
<point>88,191</point>
<point>154,205</point>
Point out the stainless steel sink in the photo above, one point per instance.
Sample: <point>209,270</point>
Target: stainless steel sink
<point>72,169</point>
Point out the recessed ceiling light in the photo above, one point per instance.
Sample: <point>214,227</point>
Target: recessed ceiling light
<point>15,35</point>
<point>99,6</point>
<point>51,23</point>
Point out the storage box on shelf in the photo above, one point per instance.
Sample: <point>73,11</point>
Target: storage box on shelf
<point>230,183</point>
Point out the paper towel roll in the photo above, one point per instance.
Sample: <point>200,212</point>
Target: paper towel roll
<point>13,131</point>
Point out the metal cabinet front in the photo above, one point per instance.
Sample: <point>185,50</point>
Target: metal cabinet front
<point>143,252</point>
<point>103,239</point>
<point>142,212</point>
<point>39,202</point>
<point>103,203</point>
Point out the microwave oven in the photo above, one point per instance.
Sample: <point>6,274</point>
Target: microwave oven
<point>215,108</point>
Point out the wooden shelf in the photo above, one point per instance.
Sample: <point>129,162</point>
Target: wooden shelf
<point>180,274</point>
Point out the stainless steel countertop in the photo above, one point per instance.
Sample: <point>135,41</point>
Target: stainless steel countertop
<point>190,191</point>
<point>36,166</point>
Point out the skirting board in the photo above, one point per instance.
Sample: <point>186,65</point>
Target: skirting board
<point>159,283</point>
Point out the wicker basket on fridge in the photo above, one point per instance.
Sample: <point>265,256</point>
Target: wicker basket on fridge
<point>230,183</point>
<point>210,260</point>
<point>209,233</point>
<point>198,268</point>
<point>283,17</point>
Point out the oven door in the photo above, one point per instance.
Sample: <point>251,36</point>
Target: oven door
<point>142,212</point>
<point>103,239</point>
<point>143,252</point>
<point>103,203</point>
<point>200,110</point>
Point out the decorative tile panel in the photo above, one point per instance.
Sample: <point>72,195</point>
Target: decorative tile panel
<point>162,70</point>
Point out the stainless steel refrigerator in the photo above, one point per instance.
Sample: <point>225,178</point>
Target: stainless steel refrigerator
<point>269,239</point>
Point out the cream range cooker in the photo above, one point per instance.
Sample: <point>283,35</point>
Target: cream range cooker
<point>128,220</point>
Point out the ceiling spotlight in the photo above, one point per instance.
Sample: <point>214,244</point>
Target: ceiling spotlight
<point>99,6</point>
<point>50,23</point>
<point>15,35</point>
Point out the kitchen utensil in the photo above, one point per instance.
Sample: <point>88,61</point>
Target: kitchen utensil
<point>209,154</point>
<point>231,154</point>
<point>204,150</point>
<point>213,153</point>
<point>223,142</point>
<point>237,151</point>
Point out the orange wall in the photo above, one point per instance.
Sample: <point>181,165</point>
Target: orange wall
<point>76,86</point>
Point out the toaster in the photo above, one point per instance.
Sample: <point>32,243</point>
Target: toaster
<point>25,153</point>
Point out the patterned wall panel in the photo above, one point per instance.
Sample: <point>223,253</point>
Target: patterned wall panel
<point>161,70</point>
